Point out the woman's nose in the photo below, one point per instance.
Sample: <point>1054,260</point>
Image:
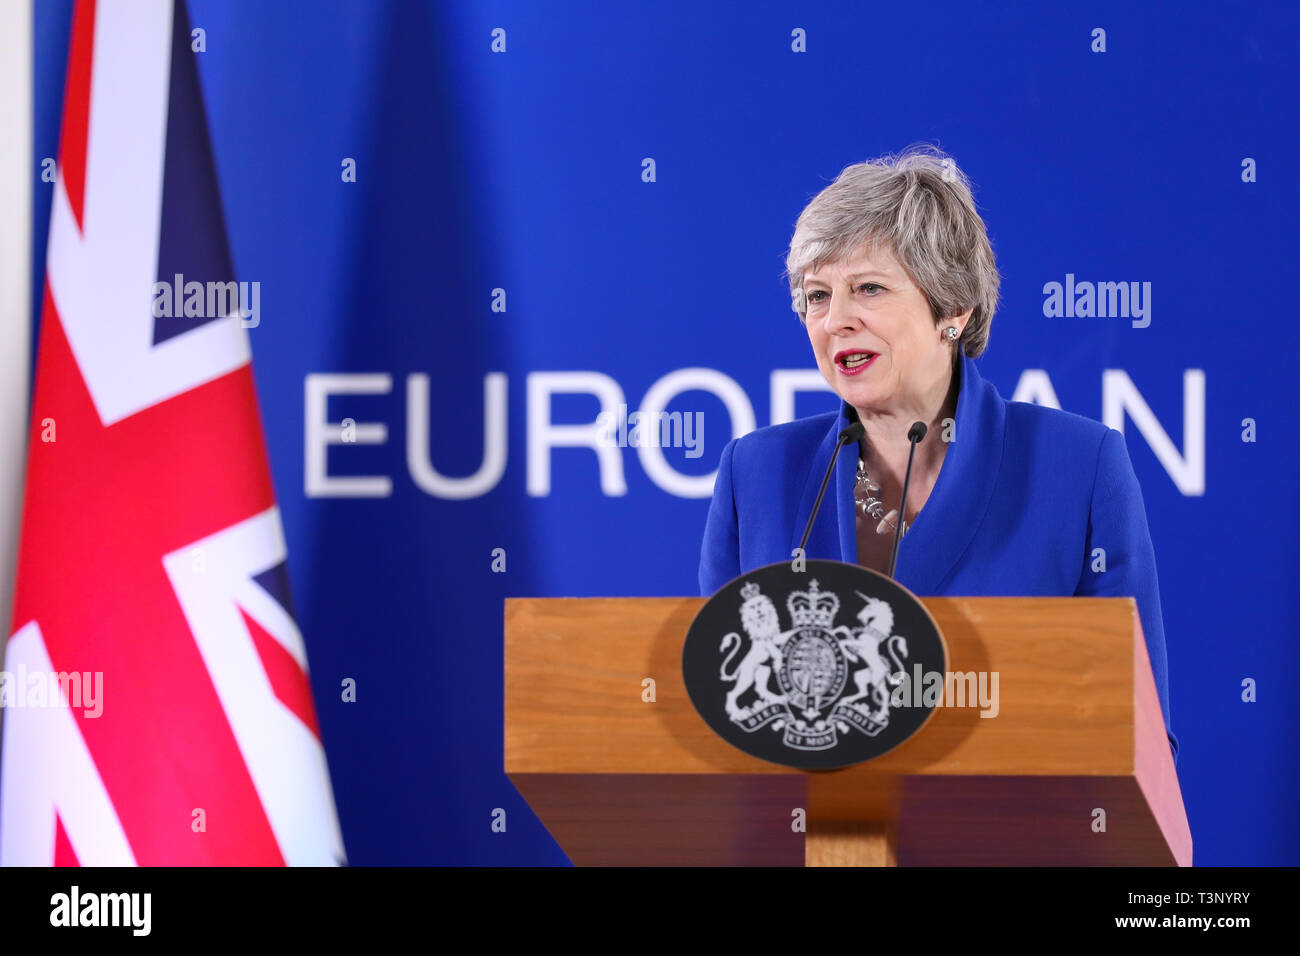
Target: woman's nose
<point>842,313</point>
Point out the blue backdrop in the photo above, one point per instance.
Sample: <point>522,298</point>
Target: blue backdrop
<point>523,171</point>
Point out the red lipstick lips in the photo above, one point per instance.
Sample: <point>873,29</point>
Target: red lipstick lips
<point>854,361</point>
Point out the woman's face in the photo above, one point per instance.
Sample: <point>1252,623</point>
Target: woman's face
<point>872,332</point>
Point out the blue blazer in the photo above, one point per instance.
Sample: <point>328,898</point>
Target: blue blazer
<point>1024,495</point>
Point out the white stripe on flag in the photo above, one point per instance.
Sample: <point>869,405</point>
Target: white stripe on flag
<point>48,769</point>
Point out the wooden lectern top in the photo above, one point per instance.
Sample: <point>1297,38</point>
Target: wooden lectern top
<point>1074,767</point>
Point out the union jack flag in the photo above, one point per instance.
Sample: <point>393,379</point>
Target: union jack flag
<point>151,549</point>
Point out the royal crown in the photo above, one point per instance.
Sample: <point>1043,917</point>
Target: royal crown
<point>812,608</point>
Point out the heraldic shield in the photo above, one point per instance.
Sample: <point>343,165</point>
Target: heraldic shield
<point>825,685</point>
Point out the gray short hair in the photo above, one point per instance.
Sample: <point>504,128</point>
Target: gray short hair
<point>918,204</point>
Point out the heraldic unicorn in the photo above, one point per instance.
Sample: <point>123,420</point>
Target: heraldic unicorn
<point>817,679</point>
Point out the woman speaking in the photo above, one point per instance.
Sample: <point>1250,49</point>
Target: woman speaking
<point>894,279</point>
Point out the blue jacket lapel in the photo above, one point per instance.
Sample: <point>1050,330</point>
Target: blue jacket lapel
<point>846,475</point>
<point>946,525</point>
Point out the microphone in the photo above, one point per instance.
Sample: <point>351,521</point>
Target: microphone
<point>914,435</point>
<point>851,433</point>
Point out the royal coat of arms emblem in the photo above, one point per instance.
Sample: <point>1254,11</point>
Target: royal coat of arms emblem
<point>814,684</point>
<point>813,700</point>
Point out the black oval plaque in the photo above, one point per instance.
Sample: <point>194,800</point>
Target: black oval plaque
<point>818,669</point>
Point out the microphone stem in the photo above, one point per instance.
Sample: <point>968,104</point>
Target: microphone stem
<point>820,492</point>
<point>902,509</point>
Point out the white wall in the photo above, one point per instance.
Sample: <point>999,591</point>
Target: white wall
<point>16,178</point>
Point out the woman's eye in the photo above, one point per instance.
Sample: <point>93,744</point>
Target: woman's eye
<point>820,295</point>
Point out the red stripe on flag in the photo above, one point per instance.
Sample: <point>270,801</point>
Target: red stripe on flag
<point>76,107</point>
<point>288,680</point>
<point>64,854</point>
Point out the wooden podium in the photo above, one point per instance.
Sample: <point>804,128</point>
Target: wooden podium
<point>1075,769</point>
